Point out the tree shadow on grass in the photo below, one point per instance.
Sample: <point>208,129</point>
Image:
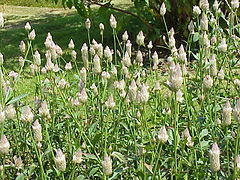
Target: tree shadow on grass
<point>63,27</point>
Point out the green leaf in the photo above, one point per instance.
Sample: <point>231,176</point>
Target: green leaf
<point>81,177</point>
<point>90,156</point>
<point>93,171</point>
<point>18,98</point>
<point>20,177</point>
<point>196,37</point>
<point>203,133</point>
<point>119,156</point>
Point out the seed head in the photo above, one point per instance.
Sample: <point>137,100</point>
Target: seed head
<point>10,112</point>
<point>110,102</point>
<point>207,83</point>
<point>82,96</point>
<point>37,58</point>
<point>226,113</point>
<point>204,22</point>
<point>43,110</point>
<point>214,154</point>
<point>107,165</point>
<point>162,135</point>
<point>96,65</point>
<point>60,160</point>
<point>223,45</point>
<point>237,162</point>
<point>236,111</point>
<point>37,131</point>
<point>77,156</point>
<point>140,39</point>
<point>129,48</point>
<point>4,145</point>
<point>27,115</point>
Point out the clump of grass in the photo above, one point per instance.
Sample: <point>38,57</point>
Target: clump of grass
<point>115,114</point>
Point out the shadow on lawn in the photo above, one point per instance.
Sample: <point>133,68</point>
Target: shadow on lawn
<point>63,27</point>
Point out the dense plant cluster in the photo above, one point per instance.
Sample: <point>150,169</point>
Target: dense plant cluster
<point>125,113</point>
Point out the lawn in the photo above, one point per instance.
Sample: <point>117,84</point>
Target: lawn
<point>113,108</point>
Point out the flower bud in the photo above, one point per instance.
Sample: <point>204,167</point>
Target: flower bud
<point>155,60</point>
<point>32,35</point>
<point>204,5</point>
<point>27,26</point>
<point>207,83</point>
<point>216,5</point>
<point>204,22</point>
<point>129,48</point>
<point>162,135</point>
<point>82,96</point>
<point>77,156</point>
<point>107,165</point>
<point>68,66</point>
<point>18,162</point>
<point>182,54</point>
<point>43,110</point>
<point>108,54</point>
<point>226,113</point>
<point>1,20</point>
<point>235,4</point>
<point>4,145</point>
<point>191,27</point>
<point>175,81</point>
<point>163,9</point>
<point>96,65</point>
<point>126,61</point>
<point>110,102</point>
<point>139,58</point>
<point>71,44</point>
<point>84,52</point>
<point>37,58</point>
<point>223,45</point>
<point>101,27</point>
<point>10,112</point>
<point>22,47</point>
<point>1,59</point>
<point>2,116</point>
<point>214,154</point>
<point>213,65</point>
<point>37,131</point>
<point>236,111</point>
<point>237,162</point>
<point>140,39</point>
<point>113,22</point>
<point>196,10</point>
<point>94,88</point>
<point>150,45</point>
<point>60,160</point>
<point>27,115</point>
<point>88,24</point>
<point>125,36</point>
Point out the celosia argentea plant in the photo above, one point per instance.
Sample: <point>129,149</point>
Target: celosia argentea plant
<point>122,112</point>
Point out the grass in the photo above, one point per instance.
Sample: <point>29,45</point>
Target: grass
<point>130,130</point>
<point>32,3</point>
